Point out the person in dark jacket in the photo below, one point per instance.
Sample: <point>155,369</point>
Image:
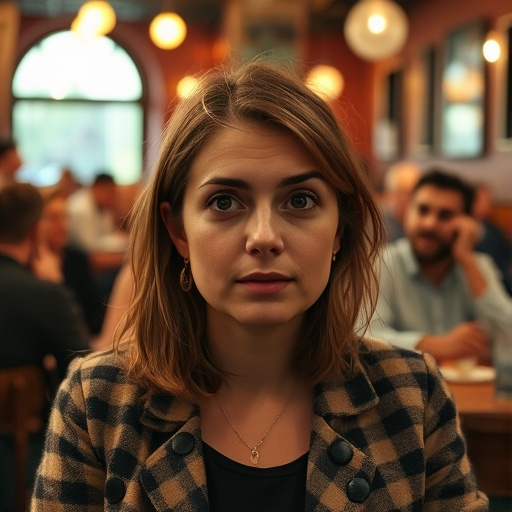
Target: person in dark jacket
<point>39,319</point>
<point>37,316</point>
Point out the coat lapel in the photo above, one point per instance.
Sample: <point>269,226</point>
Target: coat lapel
<point>331,479</point>
<point>173,475</point>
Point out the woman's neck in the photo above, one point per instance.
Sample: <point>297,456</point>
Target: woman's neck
<point>255,358</point>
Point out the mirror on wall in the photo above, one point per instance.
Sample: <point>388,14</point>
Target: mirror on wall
<point>388,137</point>
<point>463,90</point>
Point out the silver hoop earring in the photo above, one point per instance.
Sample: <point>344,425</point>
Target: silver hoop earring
<point>333,256</point>
<point>186,280</point>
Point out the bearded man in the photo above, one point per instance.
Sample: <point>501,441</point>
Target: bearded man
<point>436,293</point>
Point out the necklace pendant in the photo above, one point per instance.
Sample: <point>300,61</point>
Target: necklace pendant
<point>255,456</point>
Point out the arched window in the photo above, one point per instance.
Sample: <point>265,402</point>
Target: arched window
<point>78,105</point>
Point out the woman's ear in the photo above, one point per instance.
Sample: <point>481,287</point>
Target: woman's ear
<point>175,229</point>
<point>337,239</point>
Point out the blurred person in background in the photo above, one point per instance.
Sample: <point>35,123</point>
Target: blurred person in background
<point>10,160</point>
<point>398,184</point>
<point>39,318</point>
<point>72,261</point>
<point>436,293</point>
<point>492,240</point>
<point>95,228</point>
<point>67,183</point>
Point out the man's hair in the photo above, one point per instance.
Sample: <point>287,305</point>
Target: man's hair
<point>6,144</point>
<point>446,181</point>
<point>170,352</point>
<point>103,178</point>
<point>21,206</point>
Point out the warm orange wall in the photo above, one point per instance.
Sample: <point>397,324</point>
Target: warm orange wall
<point>429,24</point>
<point>431,20</point>
<point>356,109</point>
<point>163,69</point>
<point>355,106</point>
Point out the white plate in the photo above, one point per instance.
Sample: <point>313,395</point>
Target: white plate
<point>477,374</point>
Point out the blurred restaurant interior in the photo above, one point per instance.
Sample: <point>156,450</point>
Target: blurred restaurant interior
<point>424,92</point>
<point>414,85</point>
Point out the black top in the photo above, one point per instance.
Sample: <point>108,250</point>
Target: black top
<point>37,318</point>
<point>234,487</point>
<point>78,276</point>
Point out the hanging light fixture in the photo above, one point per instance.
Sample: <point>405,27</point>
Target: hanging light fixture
<point>326,81</point>
<point>492,48</point>
<point>167,30</point>
<point>95,18</point>
<point>186,86</point>
<point>376,29</point>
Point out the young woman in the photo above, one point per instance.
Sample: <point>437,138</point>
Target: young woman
<point>241,384</point>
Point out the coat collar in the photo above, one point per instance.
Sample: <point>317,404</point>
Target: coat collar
<point>171,478</point>
<point>165,413</point>
<point>349,398</point>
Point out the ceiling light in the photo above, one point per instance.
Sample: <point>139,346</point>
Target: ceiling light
<point>95,18</point>
<point>186,86</point>
<point>326,81</point>
<point>376,29</point>
<point>167,30</point>
<point>492,48</point>
<point>377,24</point>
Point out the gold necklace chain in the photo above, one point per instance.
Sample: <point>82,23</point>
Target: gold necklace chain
<point>255,455</point>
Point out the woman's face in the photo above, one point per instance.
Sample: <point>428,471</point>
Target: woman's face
<point>260,226</point>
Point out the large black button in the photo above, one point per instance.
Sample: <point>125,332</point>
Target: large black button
<point>357,490</point>
<point>341,452</point>
<point>183,443</point>
<point>114,490</point>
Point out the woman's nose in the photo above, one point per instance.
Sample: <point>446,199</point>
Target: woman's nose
<point>264,232</point>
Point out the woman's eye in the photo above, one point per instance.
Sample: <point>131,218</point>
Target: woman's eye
<point>223,203</point>
<point>303,201</point>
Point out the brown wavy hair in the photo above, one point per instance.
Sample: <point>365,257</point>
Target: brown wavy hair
<point>169,350</point>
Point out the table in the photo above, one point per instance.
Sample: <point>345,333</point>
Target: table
<point>477,398</point>
<point>487,426</point>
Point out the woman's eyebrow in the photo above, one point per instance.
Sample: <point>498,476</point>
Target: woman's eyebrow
<point>299,178</point>
<point>285,182</point>
<point>227,182</point>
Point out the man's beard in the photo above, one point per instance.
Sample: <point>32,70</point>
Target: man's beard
<point>443,252</point>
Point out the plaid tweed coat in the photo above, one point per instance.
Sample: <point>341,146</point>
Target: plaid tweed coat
<point>388,439</point>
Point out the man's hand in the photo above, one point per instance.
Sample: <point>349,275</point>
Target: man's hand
<point>465,340</point>
<point>466,232</point>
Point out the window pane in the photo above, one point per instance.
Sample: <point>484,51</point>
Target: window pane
<point>86,137</point>
<point>464,92</point>
<point>63,66</point>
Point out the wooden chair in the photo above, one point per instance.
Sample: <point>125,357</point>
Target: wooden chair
<point>22,408</point>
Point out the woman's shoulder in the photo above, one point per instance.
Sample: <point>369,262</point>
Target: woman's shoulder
<point>98,386</point>
<point>383,349</point>
<point>102,374</point>
<point>99,362</point>
<point>383,359</point>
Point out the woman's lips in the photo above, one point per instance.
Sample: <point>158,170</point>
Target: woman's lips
<point>265,283</point>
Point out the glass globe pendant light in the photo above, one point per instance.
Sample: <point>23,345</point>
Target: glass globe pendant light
<point>167,30</point>
<point>376,29</point>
